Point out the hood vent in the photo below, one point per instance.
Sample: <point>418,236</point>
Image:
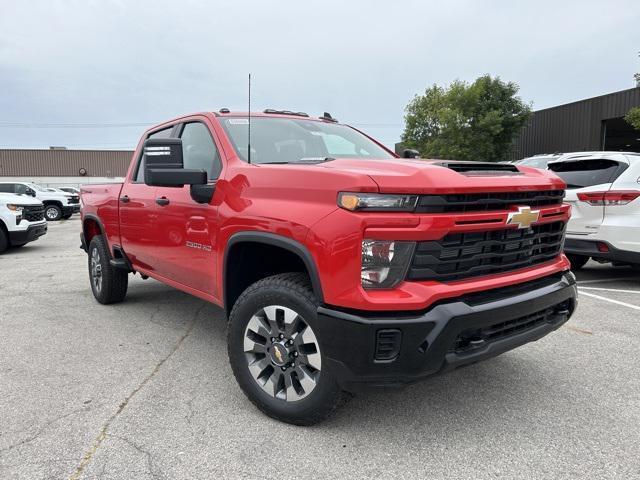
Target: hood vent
<point>480,168</point>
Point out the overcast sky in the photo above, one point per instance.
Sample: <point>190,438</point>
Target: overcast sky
<point>129,63</point>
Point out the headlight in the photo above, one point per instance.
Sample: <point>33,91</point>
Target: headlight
<point>377,202</point>
<point>15,208</point>
<point>384,262</point>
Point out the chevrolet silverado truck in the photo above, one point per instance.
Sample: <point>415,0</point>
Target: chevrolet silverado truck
<point>340,266</point>
<point>21,220</point>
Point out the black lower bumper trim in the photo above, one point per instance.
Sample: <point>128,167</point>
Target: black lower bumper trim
<point>33,232</point>
<point>70,209</point>
<point>589,248</point>
<point>430,340</point>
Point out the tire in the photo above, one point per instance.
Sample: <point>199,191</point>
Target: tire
<point>52,213</point>
<point>4,240</point>
<point>577,261</point>
<point>108,284</point>
<point>17,245</point>
<point>67,216</point>
<point>285,381</point>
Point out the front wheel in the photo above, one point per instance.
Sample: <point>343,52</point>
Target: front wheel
<point>53,213</point>
<point>275,352</point>
<point>109,284</point>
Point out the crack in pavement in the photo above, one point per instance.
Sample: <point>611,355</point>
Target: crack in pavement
<point>88,456</point>
<point>40,431</point>
<point>146,453</point>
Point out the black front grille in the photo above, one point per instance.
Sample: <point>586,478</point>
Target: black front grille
<point>470,254</point>
<point>33,213</point>
<point>74,199</point>
<point>482,202</point>
<point>480,337</point>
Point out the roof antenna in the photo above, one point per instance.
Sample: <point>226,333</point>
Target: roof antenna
<point>249,126</point>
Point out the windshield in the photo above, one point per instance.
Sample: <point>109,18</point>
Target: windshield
<point>35,187</point>
<point>288,140</point>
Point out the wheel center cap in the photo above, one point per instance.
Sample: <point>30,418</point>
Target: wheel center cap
<point>279,354</point>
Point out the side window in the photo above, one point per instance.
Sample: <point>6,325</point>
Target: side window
<point>20,189</point>
<point>199,151</point>
<point>165,133</point>
<point>6,187</point>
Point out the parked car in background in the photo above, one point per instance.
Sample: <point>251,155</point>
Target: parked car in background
<point>57,204</point>
<point>603,189</point>
<point>73,190</point>
<point>21,220</point>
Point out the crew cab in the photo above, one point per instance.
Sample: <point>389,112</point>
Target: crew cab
<point>603,190</point>
<point>21,220</point>
<point>58,205</point>
<point>340,266</point>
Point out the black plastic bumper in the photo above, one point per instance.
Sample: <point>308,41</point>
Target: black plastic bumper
<point>33,232</point>
<point>430,342</point>
<point>589,248</point>
<point>70,209</point>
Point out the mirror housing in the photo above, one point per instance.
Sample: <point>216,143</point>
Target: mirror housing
<point>30,191</point>
<point>164,165</point>
<point>410,153</point>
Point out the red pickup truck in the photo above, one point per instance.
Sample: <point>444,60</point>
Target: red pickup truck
<point>340,265</point>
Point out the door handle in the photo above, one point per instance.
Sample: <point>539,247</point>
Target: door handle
<point>124,199</point>
<point>162,201</point>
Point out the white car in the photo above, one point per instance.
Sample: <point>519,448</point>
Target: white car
<point>603,189</point>
<point>21,220</point>
<point>57,204</point>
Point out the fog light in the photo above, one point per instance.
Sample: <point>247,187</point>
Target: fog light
<point>602,247</point>
<point>384,262</point>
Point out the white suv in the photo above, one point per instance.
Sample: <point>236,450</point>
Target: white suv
<point>57,205</point>
<point>603,190</point>
<point>21,220</point>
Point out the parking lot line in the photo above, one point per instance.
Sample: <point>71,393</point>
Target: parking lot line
<point>624,304</point>
<point>608,289</point>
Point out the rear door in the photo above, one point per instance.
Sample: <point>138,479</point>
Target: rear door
<point>138,214</point>
<point>586,178</point>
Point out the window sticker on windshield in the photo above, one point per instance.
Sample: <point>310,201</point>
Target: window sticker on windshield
<point>239,121</point>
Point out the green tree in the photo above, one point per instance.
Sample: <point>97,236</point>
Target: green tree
<point>477,121</point>
<point>633,118</point>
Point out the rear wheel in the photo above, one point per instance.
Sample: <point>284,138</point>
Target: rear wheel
<point>275,352</point>
<point>577,261</point>
<point>53,213</point>
<point>109,284</point>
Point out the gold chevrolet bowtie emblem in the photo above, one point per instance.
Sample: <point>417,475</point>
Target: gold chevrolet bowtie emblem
<point>278,354</point>
<point>524,217</point>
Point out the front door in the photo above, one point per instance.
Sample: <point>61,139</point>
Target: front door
<point>186,244</point>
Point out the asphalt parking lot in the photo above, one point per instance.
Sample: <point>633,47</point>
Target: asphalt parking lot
<point>143,390</point>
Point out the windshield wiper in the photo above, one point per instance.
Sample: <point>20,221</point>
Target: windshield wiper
<point>309,160</point>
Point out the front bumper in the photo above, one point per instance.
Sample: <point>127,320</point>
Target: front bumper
<point>70,209</point>
<point>33,232</point>
<point>445,337</point>
<point>589,248</point>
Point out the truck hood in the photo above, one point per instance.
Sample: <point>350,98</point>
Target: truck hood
<point>18,199</point>
<point>441,176</point>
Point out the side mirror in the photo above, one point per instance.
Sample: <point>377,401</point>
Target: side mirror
<point>164,166</point>
<point>410,153</point>
<point>30,192</point>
